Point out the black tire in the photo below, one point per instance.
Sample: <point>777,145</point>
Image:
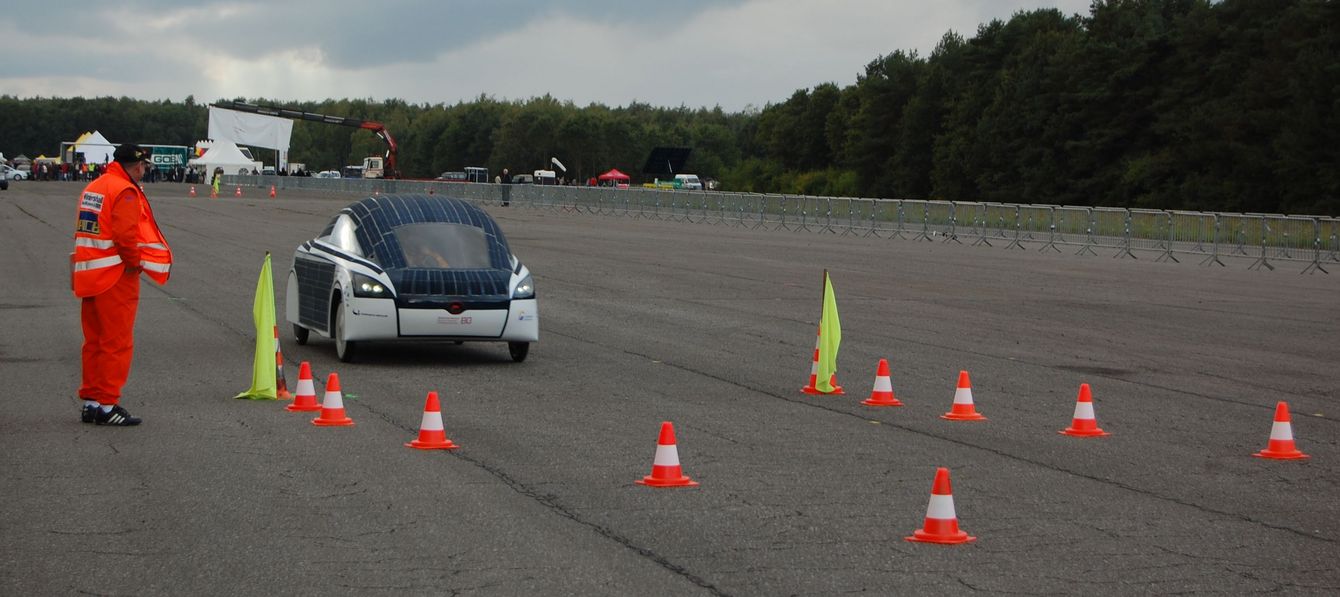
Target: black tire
<point>519,350</point>
<point>345,349</point>
<point>300,334</point>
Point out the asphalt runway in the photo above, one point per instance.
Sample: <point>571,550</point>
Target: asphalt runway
<point>709,327</point>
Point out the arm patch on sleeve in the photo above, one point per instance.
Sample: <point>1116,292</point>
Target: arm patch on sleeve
<point>88,223</point>
<point>91,202</point>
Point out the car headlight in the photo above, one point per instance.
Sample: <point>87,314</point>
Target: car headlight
<point>366,287</point>
<point>524,289</point>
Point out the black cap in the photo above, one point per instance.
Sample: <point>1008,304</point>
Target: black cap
<point>129,153</point>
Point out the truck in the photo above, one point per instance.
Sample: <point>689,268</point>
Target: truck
<point>684,182</point>
<point>688,182</point>
<point>374,167</point>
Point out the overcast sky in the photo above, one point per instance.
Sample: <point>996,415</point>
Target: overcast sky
<point>731,53</point>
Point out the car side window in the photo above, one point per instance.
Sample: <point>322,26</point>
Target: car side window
<point>340,234</point>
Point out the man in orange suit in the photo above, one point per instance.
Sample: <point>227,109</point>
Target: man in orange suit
<point>116,238</point>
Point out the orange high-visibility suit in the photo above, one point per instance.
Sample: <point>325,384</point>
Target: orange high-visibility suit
<point>116,238</point>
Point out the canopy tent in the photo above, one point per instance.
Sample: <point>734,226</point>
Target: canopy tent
<point>224,154</point>
<point>95,147</point>
<point>614,174</point>
<point>613,178</point>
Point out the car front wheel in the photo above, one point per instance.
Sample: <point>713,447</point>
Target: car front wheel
<point>519,350</point>
<point>301,334</point>
<point>345,349</point>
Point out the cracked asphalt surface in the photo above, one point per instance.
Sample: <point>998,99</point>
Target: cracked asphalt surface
<point>708,326</point>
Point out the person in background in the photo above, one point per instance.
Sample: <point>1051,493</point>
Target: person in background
<point>115,239</point>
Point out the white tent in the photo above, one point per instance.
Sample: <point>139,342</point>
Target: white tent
<point>226,155</point>
<point>95,147</point>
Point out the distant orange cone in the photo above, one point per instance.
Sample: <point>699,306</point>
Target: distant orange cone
<point>305,399</point>
<point>272,191</point>
<point>1083,424</point>
<point>665,470</point>
<point>963,409</point>
<point>882,394</point>
<point>941,525</point>
<point>332,406</point>
<point>431,434</point>
<point>192,190</point>
<point>1281,445</point>
<point>814,374</point>
<point>238,192</point>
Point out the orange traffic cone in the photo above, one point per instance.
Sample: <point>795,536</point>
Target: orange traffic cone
<point>272,191</point>
<point>665,471</point>
<point>238,192</point>
<point>1281,438</point>
<point>882,394</point>
<point>431,434</point>
<point>192,190</point>
<point>281,384</point>
<point>305,400</point>
<point>941,524</point>
<point>963,409</point>
<point>332,407</point>
<point>1083,424</point>
<point>814,373</point>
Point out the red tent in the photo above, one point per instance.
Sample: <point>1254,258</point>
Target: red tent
<point>614,174</point>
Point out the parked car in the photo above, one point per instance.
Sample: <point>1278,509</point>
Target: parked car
<point>411,267</point>
<point>10,173</point>
<point>327,174</point>
<point>453,177</point>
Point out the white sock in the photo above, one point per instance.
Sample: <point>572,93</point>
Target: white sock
<point>107,407</point>
<point>88,403</point>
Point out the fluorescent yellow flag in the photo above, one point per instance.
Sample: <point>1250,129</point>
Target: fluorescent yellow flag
<point>830,336</point>
<point>263,369</point>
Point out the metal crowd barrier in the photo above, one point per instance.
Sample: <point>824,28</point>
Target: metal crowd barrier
<point>1211,239</point>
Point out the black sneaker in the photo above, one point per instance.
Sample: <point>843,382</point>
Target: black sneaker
<point>118,416</point>
<point>88,414</point>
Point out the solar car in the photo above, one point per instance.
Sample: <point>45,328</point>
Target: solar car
<point>411,267</point>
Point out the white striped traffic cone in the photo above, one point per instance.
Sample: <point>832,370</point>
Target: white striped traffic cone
<point>1083,424</point>
<point>1281,445</point>
<point>305,400</point>
<point>814,373</point>
<point>882,393</point>
<point>963,409</point>
<point>281,384</point>
<point>941,525</point>
<point>665,470</point>
<point>431,434</point>
<point>332,406</point>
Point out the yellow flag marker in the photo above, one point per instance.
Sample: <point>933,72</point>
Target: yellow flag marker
<point>263,371</point>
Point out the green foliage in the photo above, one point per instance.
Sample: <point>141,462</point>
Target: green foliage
<point>1224,105</point>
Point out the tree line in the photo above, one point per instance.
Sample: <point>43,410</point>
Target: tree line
<point>1231,105</point>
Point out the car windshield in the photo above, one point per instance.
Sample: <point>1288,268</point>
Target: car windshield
<point>440,245</point>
